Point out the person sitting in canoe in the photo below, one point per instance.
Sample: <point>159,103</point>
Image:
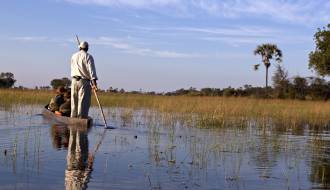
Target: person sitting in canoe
<point>65,108</point>
<point>58,100</point>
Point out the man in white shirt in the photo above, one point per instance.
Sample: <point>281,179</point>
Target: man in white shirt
<point>84,78</point>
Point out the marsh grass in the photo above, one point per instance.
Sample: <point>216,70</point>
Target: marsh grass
<point>204,112</point>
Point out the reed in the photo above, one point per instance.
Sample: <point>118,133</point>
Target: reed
<point>205,111</point>
<point>17,97</point>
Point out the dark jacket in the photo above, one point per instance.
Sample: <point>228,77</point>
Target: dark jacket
<point>56,102</point>
<point>65,108</point>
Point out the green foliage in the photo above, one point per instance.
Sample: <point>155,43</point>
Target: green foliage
<point>319,89</point>
<point>65,82</point>
<point>229,92</point>
<point>319,59</point>
<point>210,92</point>
<point>7,80</point>
<point>299,88</point>
<point>280,82</point>
<point>268,52</point>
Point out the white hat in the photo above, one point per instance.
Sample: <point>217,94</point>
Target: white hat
<point>83,45</point>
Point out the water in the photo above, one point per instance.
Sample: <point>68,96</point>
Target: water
<point>149,150</point>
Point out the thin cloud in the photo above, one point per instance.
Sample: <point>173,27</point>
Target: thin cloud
<point>234,35</point>
<point>30,38</point>
<point>129,48</point>
<point>299,11</point>
<point>40,39</point>
<point>131,3</point>
<point>231,31</point>
<point>106,18</point>
<point>116,43</point>
<point>295,11</point>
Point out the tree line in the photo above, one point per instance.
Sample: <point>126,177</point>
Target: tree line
<point>311,88</point>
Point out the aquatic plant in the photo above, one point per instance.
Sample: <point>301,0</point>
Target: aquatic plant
<point>203,112</point>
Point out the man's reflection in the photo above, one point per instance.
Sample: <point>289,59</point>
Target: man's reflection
<point>60,136</point>
<point>78,169</point>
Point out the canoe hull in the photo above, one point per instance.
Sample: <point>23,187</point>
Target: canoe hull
<point>66,120</point>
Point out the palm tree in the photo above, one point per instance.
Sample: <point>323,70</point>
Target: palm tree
<point>268,52</point>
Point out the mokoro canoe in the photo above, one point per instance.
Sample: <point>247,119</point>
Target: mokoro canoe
<point>66,120</point>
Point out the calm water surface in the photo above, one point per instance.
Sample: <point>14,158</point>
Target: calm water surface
<point>155,151</point>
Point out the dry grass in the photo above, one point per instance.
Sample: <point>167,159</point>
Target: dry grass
<point>211,111</point>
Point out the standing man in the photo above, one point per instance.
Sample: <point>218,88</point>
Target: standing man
<point>84,78</point>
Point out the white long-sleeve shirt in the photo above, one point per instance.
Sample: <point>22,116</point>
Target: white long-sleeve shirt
<point>82,64</point>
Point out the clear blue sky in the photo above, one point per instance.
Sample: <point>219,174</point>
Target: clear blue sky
<point>159,45</point>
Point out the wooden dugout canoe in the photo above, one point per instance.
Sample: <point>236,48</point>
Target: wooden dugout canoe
<point>66,120</point>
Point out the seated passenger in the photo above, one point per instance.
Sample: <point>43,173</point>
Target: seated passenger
<point>65,108</point>
<point>58,100</point>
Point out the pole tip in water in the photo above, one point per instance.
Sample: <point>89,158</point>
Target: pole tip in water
<point>109,127</point>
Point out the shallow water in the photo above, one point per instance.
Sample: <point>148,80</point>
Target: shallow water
<point>148,150</point>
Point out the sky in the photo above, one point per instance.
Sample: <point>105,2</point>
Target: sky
<point>157,45</point>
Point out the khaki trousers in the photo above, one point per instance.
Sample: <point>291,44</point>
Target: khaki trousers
<point>81,92</point>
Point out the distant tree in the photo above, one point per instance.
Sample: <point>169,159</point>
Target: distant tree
<point>319,89</point>
<point>256,92</point>
<point>7,80</point>
<point>280,82</point>
<point>206,92</point>
<point>114,90</point>
<point>44,87</point>
<point>181,91</point>
<point>193,92</point>
<point>152,93</point>
<point>21,87</point>
<point>319,59</point>
<point>65,82</point>
<point>110,89</point>
<point>135,92</point>
<point>268,52</point>
<point>298,89</point>
<point>229,91</point>
<point>210,92</point>
<point>122,91</point>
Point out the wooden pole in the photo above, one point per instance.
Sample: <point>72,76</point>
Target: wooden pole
<point>98,102</point>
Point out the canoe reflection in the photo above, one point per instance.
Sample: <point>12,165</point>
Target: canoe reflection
<point>78,169</point>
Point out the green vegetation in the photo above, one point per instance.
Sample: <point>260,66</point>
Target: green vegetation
<point>7,80</point>
<point>65,82</point>
<point>319,60</point>
<point>202,111</point>
<point>281,82</point>
<point>268,52</point>
<point>18,96</point>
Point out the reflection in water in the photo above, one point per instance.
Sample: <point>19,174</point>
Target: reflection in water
<point>320,163</point>
<point>78,170</point>
<point>265,155</point>
<point>158,151</point>
<point>60,136</point>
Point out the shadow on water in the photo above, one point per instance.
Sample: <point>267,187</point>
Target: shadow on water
<point>151,150</point>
